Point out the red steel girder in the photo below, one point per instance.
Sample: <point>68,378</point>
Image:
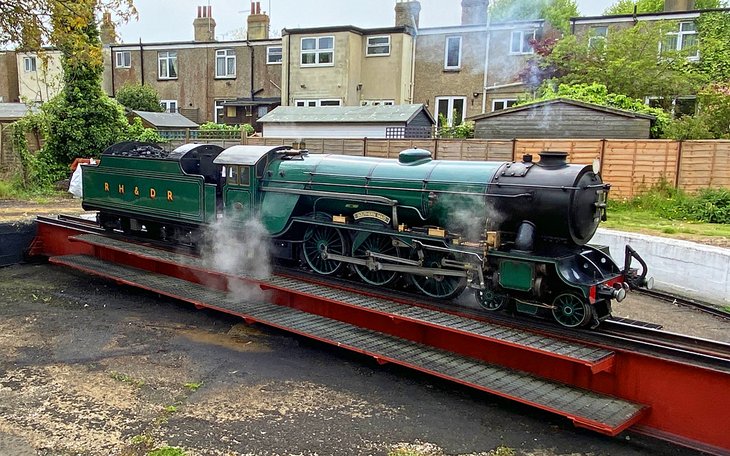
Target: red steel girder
<point>689,404</point>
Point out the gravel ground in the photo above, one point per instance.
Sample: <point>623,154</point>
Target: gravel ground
<point>92,368</point>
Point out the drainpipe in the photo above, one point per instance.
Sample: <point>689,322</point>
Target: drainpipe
<point>412,91</point>
<point>486,63</point>
<point>288,68</point>
<point>250,49</point>
<point>113,63</point>
<point>141,62</point>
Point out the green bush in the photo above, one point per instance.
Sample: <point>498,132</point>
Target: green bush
<point>139,97</point>
<point>707,205</point>
<point>212,126</point>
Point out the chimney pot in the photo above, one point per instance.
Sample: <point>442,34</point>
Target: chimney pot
<point>407,13</point>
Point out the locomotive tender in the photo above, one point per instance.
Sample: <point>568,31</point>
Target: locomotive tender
<point>515,233</point>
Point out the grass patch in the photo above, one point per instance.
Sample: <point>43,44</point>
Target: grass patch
<point>167,451</point>
<point>663,209</point>
<point>193,386</point>
<point>124,378</point>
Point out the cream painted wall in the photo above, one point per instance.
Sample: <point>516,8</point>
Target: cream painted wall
<point>44,83</point>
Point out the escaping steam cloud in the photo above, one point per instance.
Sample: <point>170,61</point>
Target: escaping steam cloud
<point>470,215</point>
<point>241,250</point>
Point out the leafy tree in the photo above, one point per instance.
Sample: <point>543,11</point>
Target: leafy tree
<point>713,28</point>
<point>600,95</point>
<point>628,63</point>
<point>29,22</point>
<point>656,6</point>
<point>139,97</point>
<point>555,12</point>
<point>82,119</point>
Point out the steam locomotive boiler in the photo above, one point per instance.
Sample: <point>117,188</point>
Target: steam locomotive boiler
<point>515,233</point>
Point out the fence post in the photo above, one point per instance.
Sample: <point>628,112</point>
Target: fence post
<point>679,164</point>
<point>602,156</point>
<point>365,146</point>
<point>514,149</point>
<point>435,148</point>
<point>187,135</point>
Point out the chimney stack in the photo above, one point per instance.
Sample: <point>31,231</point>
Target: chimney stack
<point>204,25</point>
<point>406,13</point>
<point>474,12</point>
<point>258,23</point>
<point>678,5</point>
<point>107,30</point>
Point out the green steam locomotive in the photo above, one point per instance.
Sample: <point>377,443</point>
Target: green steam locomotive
<point>515,233</point>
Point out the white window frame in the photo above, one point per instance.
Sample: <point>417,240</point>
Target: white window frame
<point>313,103</point>
<point>30,64</point>
<point>269,53</point>
<point>169,105</point>
<point>226,56</point>
<point>446,53</point>
<point>168,57</point>
<point>450,116</point>
<point>522,34</point>
<point>370,46</point>
<point>504,101</point>
<point>122,59</point>
<point>681,37</point>
<point>595,38</point>
<point>377,102</point>
<point>218,109</point>
<point>318,51</point>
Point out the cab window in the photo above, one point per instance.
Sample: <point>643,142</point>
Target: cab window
<point>233,175</point>
<point>245,176</point>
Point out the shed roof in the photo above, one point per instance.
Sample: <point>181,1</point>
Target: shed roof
<point>346,114</point>
<point>541,104</point>
<point>14,111</point>
<point>166,119</point>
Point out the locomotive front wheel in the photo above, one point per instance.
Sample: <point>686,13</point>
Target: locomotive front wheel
<point>489,300</point>
<point>438,286</point>
<point>375,243</point>
<point>317,241</point>
<point>571,311</point>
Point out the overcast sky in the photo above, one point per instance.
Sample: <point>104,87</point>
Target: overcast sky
<point>165,20</point>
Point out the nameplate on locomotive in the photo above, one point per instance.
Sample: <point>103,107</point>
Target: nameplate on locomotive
<point>371,214</point>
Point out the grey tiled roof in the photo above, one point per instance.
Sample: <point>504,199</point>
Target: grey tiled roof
<point>345,114</point>
<point>14,111</point>
<point>166,119</point>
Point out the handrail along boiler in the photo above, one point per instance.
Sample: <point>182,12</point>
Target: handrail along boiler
<point>515,233</point>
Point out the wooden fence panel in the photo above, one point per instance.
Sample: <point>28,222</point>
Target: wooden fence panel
<point>579,150</point>
<point>390,148</point>
<point>704,164</point>
<point>630,166</point>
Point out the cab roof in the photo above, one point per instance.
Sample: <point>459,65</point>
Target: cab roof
<point>245,155</point>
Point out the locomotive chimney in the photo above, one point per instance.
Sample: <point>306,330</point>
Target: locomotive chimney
<point>204,25</point>
<point>406,13</point>
<point>474,12</point>
<point>258,23</point>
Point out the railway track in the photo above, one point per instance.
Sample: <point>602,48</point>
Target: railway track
<point>701,306</point>
<point>628,334</point>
